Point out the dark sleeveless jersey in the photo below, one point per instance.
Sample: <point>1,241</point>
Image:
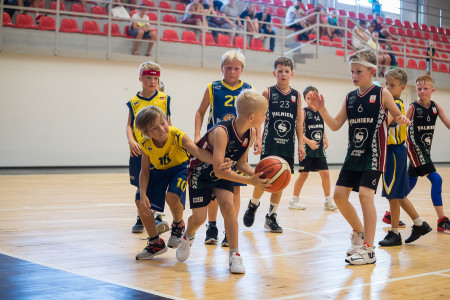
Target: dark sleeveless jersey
<point>200,174</point>
<point>367,131</point>
<point>313,129</point>
<point>420,133</point>
<point>281,121</point>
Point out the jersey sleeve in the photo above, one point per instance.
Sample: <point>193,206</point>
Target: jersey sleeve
<point>168,106</point>
<point>178,138</point>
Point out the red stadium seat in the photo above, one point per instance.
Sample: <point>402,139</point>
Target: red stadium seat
<point>239,42</point>
<point>361,16</point>
<point>170,19</point>
<point>426,35</point>
<point>444,39</point>
<point>148,3</point>
<point>310,6</point>
<point>277,22</point>
<point>91,27</point>
<point>53,6</point>
<point>47,23</point>
<point>407,24</point>
<point>435,67</point>
<point>401,31</point>
<point>352,14</point>
<point>7,20</point>
<point>370,17</point>
<point>444,55</point>
<point>439,46</point>
<point>280,12</point>
<point>422,65</point>
<point>340,52</point>
<point>189,37</point>
<point>412,63</point>
<point>330,9</point>
<point>180,6</point>
<point>447,31</point>
<point>165,4</point>
<point>440,30</point>
<point>288,3</point>
<point>418,34</point>
<point>25,21</point>
<point>223,40</point>
<point>415,52</point>
<point>170,35</point>
<point>132,12</point>
<point>303,6</point>
<point>342,12</point>
<point>400,62</point>
<point>443,67</point>
<point>433,29</point>
<point>115,30</point>
<point>337,42</point>
<point>78,8</point>
<point>98,10</point>
<point>388,21</point>
<point>398,23</point>
<point>69,25</point>
<point>422,44</point>
<point>437,55</point>
<point>278,2</point>
<point>424,27</point>
<point>392,30</point>
<point>154,16</point>
<point>325,40</point>
<point>413,42</point>
<point>266,1</point>
<point>396,49</point>
<point>257,45</point>
<point>209,39</point>
<point>409,32</point>
<point>416,26</point>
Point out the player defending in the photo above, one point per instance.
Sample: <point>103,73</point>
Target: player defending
<point>423,114</point>
<point>283,122</point>
<point>220,97</point>
<point>149,76</point>
<point>395,178</point>
<point>228,139</point>
<point>366,111</point>
<point>316,141</point>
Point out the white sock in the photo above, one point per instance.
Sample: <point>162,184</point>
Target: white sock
<point>255,201</point>
<point>394,230</point>
<point>295,198</point>
<point>234,251</point>
<point>418,221</point>
<point>273,208</point>
<point>328,199</point>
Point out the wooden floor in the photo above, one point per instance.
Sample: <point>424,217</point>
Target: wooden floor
<point>81,224</point>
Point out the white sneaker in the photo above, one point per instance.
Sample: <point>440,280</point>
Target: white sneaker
<point>236,264</point>
<point>294,204</point>
<point>357,242</point>
<point>329,205</point>
<point>363,256</point>
<point>184,248</point>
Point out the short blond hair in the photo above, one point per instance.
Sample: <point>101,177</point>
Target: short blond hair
<point>147,117</point>
<point>249,102</point>
<point>284,61</point>
<point>233,55</point>
<point>397,74</point>
<point>365,55</point>
<point>425,78</point>
<point>149,65</point>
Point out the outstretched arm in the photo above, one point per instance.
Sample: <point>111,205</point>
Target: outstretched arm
<point>299,129</point>
<point>203,154</point>
<point>443,116</point>
<point>334,123</point>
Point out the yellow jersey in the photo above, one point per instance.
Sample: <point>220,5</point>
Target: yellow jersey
<point>397,133</point>
<point>137,103</point>
<point>170,155</point>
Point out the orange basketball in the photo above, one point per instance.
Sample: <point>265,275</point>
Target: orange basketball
<point>277,170</point>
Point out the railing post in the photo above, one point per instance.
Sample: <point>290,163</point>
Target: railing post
<point>108,45</point>
<point>58,24</point>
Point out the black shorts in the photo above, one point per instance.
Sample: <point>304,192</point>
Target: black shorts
<point>313,164</point>
<point>289,160</point>
<point>421,170</point>
<point>355,179</point>
<point>134,169</point>
<point>202,197</point>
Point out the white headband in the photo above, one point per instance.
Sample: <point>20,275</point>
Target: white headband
<point>362,62</point>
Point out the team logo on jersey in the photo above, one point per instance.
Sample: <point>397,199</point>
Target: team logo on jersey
<point>351,100</point>
<point>426,139</point>
<point>360,137</point>
<point>228,117</point>
<point>434,110</point>
<point>282,127</point>
<point>419,111</point>
<point>244,144</point>
<point>373,98</point>
<point>316,136</point>
<point>136,103</point>
<point>275,97</point>
<point>309,114</point>
<point>293,98</point>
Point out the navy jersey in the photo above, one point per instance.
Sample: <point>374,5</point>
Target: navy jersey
<point>313,129</point>
<point>281,122</point>
<point>200,174</point>
<point>222,98</point>
<point>420,133</point>
<point>367,131</point>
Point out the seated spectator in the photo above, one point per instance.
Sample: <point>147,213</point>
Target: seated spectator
<point>141,29</point>
<point>213,18</point>
<point>217,5</point>
<point>384,59</point>
<point>249,16</point>
<point>382,32</point>
<point>323,19</point>
<point>333,20</point>
<point>264,16</point>
<point>229,11</point>
<point>191,16</point>
<point>360,37</point>
<point>293,14</point>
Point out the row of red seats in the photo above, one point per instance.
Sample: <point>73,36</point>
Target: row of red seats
<point>418,34</point>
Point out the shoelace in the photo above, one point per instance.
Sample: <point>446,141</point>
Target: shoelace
<point>177,231</point>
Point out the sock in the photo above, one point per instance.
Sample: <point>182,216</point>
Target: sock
<point>179,224</point>
<point>295,198</point>
<point>155,240</point>
<point>394,230</point>
<point>367,245</point>
<point>233,251</point>
<point>189,237</point>
<point>212,223</point>
<point>328,199</point>
<point>273,208</point>
<point>255,201</point>
<point>436,188</point>
<point>412,182</point>
<point>418,221</point>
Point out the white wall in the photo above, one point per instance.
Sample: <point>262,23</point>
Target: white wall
<point>57,111</point>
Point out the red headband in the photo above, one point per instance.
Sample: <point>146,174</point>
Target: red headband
<point>151,73</point>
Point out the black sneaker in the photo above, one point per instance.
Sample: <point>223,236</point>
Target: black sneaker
<point>211,235</point>
<point>387,220</point>
<point>225,242</point>
<point>138,227</point>
<point>391,239</point>
<point>249,216</point>
<point>443,225</point>
<point>161,226</point>
<point>272,223</point>
<point>418,231</point>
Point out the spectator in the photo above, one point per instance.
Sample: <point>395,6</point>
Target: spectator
<point>430,55</point>
<point>384,59</point>
<point>249,16</point>
<point>214,21</point>
<point>191,16</point>
<point>264,16</point>
<point>294,13</point>
<point>333,21</point>
<point>361,36</point>
<point>141,29</point>
<point>323,19</point>
<point>382,32</point>
<point>231,11</point>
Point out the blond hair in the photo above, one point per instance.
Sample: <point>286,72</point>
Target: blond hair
<point>425,78</point>
<point>284,61</point>
<point>249,102</point>
<point>233,55</point>
<point>365,55</point>
<point>149,65</point>
<point>147,117</point>
<point>398,74</point>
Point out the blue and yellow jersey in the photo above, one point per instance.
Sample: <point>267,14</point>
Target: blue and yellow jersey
<point>397,133</point>
<point>170,155</point>
<point>137,103</point>
<point>222,98</point>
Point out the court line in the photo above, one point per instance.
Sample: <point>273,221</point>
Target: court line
<point>94,278</point>
<point>323,292</point>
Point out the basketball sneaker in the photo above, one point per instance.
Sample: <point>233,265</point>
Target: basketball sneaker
<point>391,239</point>
<point>184,248</point>
<point>225,241</point>
<point>211,234</point>
<point>362,256</point>
<point>236,264</point>
<point>357,241</point>
<point>177,233</point>
<point>272,223</point>
<point>295,204</point>
<point>418,231</point>
<point>138,227</point>
<point>387,220</point>
<point>161,226</point>
<point>329,205</point>
<point>443,225</point>
<point>249,215</point>
<point>152,249</point>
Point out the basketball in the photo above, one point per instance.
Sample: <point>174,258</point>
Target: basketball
<point>275,169</point>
